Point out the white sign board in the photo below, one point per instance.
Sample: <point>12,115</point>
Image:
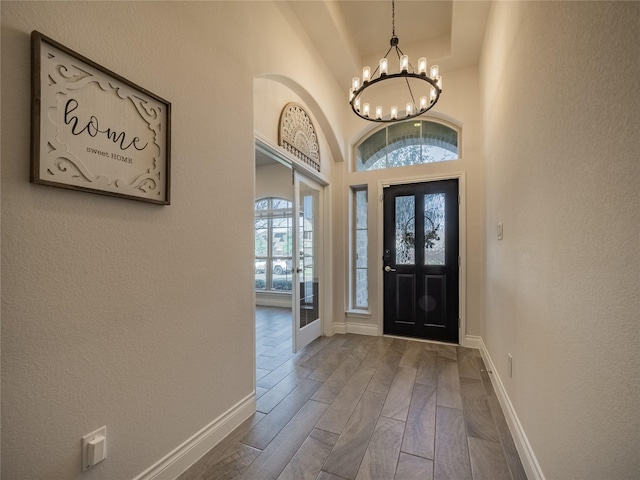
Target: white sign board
<point>92,130</point>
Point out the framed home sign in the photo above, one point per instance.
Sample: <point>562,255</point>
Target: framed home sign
<point>93,130</point>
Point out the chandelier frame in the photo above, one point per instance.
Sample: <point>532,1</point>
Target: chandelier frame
<point>409,72</point>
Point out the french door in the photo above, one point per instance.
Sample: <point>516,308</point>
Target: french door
<point>421,243</point>
<point>307,258</point>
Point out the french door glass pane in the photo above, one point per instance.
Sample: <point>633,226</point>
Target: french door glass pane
<point>308,236</point>
<point>405,230</point>
<point>434,229</point>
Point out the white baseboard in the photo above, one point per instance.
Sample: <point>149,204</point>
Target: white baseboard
<point>527,457</point>
<point>359,328</point>
<point>472,341</point>
<point>179,460</point>
<point>340,328</point>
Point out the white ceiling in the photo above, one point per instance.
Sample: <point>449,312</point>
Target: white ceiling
<point>370,22</point>
<point>349,34</point>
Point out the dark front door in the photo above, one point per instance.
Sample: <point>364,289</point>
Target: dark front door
<point>421,260</point>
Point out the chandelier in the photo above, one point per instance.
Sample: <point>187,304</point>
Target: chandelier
<point>367,92</point>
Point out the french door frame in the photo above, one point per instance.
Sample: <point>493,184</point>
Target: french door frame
<point>302,336</point>
<point>266,146</point>
<point>462,247</point>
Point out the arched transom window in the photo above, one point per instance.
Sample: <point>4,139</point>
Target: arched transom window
<point>407,143</point>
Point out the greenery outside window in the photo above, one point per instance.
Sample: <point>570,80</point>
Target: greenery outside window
<point>273,244</point>
<point>407,143</point>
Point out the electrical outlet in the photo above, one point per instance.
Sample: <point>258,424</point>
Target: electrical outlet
<point>510,364</point>
<point>94,448</point>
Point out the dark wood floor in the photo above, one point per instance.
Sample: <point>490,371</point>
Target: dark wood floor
<point>359,407</point>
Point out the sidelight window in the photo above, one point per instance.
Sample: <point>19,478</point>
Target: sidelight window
<point>360,284</point>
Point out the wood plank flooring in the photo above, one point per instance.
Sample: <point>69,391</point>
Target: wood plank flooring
<point>352,407</point>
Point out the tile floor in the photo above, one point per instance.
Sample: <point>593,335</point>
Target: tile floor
<point>352,407</point>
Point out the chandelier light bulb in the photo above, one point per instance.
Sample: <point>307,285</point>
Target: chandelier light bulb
<point>357,103</point>
<point>404,63</point>
<point>351,94</point>
<point>355,83</point>
<point>439,81</point>
<point>394,112</point>
<point>432,95</point>
<point>424,103</point>
<point>384,66</point>
<point>409,109</point>
<point>366,74</point>
<point>365,109</point>
<point>378,112</point>
<point>422,65</point>
<point>435,71</point>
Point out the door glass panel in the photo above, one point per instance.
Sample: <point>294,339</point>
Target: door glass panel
<point>405,230</point>
<point>308,240</point>
<point>434,229</point>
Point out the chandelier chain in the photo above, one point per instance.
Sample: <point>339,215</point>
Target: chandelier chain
<point>393,18</point>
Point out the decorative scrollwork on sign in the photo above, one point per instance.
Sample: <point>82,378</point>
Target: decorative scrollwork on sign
<point>297,135</point>
<point>95,131</point>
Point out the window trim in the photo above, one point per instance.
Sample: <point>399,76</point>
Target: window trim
<point>353,305</point>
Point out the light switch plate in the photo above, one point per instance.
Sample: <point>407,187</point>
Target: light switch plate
<point>500,231</point>
<point>101,432</point>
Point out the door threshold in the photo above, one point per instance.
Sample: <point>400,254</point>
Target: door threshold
<point>424,340</point>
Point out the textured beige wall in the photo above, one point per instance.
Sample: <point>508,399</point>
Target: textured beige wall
<point>274,181</point>
<point>562,151</point>
<point>122,313</point>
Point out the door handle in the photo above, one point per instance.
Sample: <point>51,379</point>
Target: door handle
<point>389,269</point>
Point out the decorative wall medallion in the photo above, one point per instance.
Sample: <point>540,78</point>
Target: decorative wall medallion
<point>297,135</point>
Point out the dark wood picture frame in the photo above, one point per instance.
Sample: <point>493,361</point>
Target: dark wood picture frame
<point>95,131</point>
